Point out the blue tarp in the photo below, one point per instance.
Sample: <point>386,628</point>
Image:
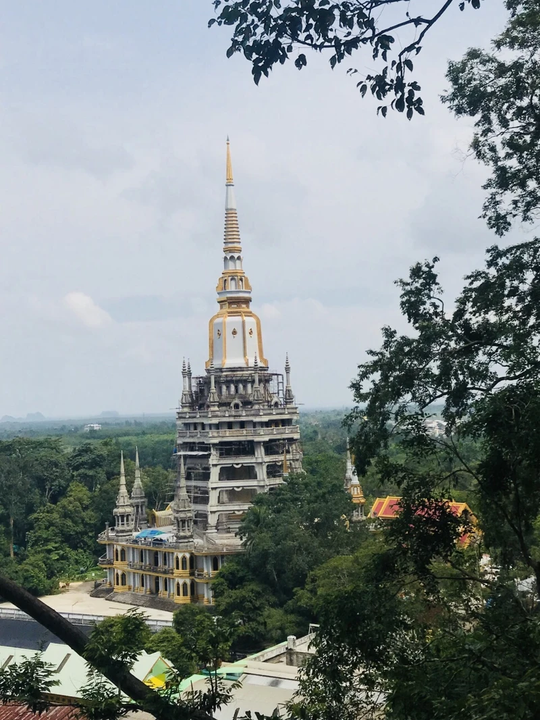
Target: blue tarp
<point>149,533</point>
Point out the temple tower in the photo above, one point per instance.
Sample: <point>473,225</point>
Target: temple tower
<point>238,421</point>
<point>353,487</point>
<point>123,512</point>
<point>138,498</point>
<point>182,508</point>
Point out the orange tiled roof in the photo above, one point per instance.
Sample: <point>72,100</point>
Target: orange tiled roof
<point>388,507</point>
<point>377,505</point>
<point>385,508</point>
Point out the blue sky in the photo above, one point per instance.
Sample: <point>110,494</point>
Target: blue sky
<point>113,120</point>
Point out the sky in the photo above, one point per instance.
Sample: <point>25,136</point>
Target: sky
<point>113,120</point>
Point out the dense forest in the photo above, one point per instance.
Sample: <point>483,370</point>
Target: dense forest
<point>58,490</point>
<point>57,493</point>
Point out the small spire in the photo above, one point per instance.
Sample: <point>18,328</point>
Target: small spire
<point>138,482</point>
<point>350,472</point>
<point>122,473</point>
<point>289,395</point>
<point>256,394</point>
<point>138,498</point>
<point>182,472</point>
<point>123,512</point>
<point>184,370</point>
<point>182,508</point>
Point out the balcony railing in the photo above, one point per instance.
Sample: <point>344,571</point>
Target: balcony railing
<point>104,560</point>
<point>242,412</point>
<point>241,432</point>
<point>161,569</point>
<point>205,574</point>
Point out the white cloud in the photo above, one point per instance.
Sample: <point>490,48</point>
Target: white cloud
<point>86,310</point>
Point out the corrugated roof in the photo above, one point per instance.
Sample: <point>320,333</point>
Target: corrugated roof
<point>71,670</point>
<point>16,711</point>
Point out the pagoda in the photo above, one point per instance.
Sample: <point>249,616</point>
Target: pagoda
<point>237,424</point>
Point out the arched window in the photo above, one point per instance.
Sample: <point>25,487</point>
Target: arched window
<point>241,283</point>
<point>233,283</point>
<point>116,579</point>
<point>165,560</point>
<point>178,588</point>
<point>192,588</point>
<point>116,554</point>
<point>156,558</point>
<point>165,584</point>
<point>226,263</point>
<point>122,555</point>
<point>215,564</point>
<point>142,581</point>
<point>191,562</point>
<point>225,284</point>
<point>184,562</point>
<point>185,590</point>
<point>177,563</point>
<point>232,263</point>
<point>141,556</point>
<point>123,578</point>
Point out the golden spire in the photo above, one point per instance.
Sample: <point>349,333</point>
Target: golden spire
<point>231,240</point>
<point>229,179</point>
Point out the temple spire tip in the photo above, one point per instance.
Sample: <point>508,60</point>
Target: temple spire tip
<point>229,174</point>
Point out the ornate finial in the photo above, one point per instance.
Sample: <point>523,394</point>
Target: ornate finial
<point>184,370</point>
<point>188,367</point>
<point>287,363</point>
<point>229,176</point>
<point>256,361</point>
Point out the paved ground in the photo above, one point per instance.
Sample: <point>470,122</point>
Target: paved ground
<point>76,599</point>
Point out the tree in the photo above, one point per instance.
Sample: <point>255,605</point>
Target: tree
<point>435,612</point>
<point>63,538</point>
<point>111,650</point>
<point>269,32</point>
<point>158,485</point>
<point>88,465</point>
<point>19,496</point>
<point>501,91</point>
<point>287,533</point>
